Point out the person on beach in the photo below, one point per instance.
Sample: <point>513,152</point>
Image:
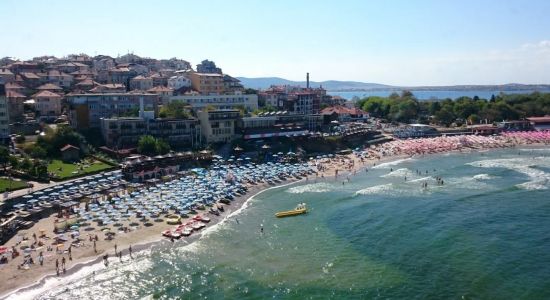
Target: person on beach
<point>41,258</point>
<point>95,248</point>
<point>57,263</point>
<point>63,264</point>
<point>130,251</point>
<point>115,249</point>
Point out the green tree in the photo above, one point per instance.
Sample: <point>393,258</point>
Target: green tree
<point>161,147</point>
<point>14,162</point>
<point>210,107</point>
<point>435,106</point>
<point>445,116</point>
<point>4,157</point>
<point>242,109</point>
<point>54,140</point>
<point>20,138</point>
<point>40,169</point>
<point>37,152</point>
<point>250,91</point>
<point>147,145</point>
<point>473,119</point>
<point>176,110</point>
<point>26,165</point>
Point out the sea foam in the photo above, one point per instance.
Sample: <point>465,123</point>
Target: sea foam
<point>387,165</point>
<point>538,179</point>
<point>320,187</point>
<point>377,189</point>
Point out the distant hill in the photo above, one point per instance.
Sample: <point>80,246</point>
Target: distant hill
<point>331,85</point>
<point>341,86</point>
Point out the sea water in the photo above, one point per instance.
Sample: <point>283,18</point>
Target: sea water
<point>438,94</point>
<point>483,234</point>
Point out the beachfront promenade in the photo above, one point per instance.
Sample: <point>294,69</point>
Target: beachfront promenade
<point>98,241</point>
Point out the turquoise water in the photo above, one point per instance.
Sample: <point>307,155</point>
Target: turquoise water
<point>482,235</point>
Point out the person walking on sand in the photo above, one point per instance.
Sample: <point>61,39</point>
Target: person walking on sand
<point>41,259</point>
<point>95,248</point>
<point>57,263</point>
<point>115,249</point>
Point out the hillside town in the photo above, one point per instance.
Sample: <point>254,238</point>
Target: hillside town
<point>123,98</point>
<point>68,117</point>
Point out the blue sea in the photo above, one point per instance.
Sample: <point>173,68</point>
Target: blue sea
<point>428,95</point>
<point>483,234</point>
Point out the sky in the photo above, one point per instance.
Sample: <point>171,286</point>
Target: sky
<point>407,43</point>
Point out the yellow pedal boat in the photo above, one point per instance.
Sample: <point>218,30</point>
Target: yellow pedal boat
<point>300,209</point>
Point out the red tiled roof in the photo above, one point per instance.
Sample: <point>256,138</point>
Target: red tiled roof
<point>49,86</point>
<point>57,73</point>
<point>139,77</point>
<point>14,94</point>
<point>14,86</point>
<point>30,75</point>
<point>160,89</point>
<point>87,81</point>
<point>67,147</point>
<point>4,71</point>
<point>46,94</point>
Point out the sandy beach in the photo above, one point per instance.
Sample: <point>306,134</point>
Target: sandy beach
<point>341,168</point>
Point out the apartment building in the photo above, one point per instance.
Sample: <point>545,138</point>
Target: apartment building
<point>4,116</point>
<point>125,132</point>
<point>234,101</point>
<point>141,83</point>
<point>218,126</point>
<point>179,81</point>
<point>48,103</point>
<point>86,110</point>
<point>207,83</point>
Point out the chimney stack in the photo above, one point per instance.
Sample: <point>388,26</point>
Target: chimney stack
<point>307,80</point>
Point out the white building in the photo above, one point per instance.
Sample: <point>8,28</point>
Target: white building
<point>178,81</point>
<point>197,102</point>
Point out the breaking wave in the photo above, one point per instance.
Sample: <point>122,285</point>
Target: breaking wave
<point>538,179</point>
<point>320,187</point>
<point>386,165</point>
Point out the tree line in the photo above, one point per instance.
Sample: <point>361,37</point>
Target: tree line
<point>406,108</point>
